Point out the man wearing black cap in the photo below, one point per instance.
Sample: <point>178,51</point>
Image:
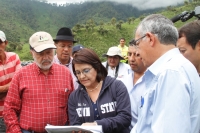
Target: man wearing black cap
<point>64,42</point>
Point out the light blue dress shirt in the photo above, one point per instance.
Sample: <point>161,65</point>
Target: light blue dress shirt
<point>135,91</point>
<point>171,103</point>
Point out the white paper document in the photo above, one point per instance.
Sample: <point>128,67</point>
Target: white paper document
<point>69,129</point>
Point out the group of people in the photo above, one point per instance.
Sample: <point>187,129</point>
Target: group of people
<point>158,91</point>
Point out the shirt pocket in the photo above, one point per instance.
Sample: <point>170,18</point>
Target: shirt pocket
<point>61,96</point>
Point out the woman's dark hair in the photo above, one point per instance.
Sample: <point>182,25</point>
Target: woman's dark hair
<point>88,56</point>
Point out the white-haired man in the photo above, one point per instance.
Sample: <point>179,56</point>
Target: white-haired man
<point>171,103</point>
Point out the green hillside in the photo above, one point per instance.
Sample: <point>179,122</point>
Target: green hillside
<point>93,27</point>
<point>101,42</point>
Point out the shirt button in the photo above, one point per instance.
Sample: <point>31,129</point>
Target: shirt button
<point>95,108</point>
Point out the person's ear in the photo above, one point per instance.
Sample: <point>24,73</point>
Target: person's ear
<point>31,51</point>
<point>152,38</point>
<point>6,42</point>
<point>198,45</point>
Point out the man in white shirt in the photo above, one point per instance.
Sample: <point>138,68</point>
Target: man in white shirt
<point>134,82</point>
<point>115,68</point>
<point>64,42</point>
<point>171,103</point>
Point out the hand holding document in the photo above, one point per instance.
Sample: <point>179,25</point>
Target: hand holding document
<point>70,129</point>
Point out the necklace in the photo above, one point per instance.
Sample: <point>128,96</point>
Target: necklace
<point>94,88</point>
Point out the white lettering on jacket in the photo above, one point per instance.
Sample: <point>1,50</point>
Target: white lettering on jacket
<point>83,111</point>
<point>108,107</point>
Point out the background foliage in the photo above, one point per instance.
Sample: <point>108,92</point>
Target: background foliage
<point>95,25</point>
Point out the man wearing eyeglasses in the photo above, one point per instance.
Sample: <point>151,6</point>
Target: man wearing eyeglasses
<point>134,83</point>
<point>171,102</point>
<point>64,42</point>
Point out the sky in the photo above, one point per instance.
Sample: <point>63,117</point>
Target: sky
<point>140,4</point>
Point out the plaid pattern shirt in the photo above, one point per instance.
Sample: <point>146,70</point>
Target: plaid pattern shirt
<point>7,70</point>
<point>35,99</point>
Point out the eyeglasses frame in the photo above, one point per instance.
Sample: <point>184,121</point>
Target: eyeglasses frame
<point>83,72</point>
<point>134,42</point>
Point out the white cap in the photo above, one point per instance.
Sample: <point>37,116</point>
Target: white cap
<point>41,41</point>
<point>2,36</point>
<point>112,51</point>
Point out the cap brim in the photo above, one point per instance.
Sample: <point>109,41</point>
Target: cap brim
<point>121,58</point>
<point>105,55</point>
<point>2,39</point>
<point>43,47</point>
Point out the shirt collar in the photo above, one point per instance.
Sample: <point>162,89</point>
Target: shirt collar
<point>123,46</point>
<point>56,60</point>
<point>162,61</point>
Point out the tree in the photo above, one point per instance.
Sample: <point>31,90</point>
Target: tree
<point>142,17</point>
<point>129,20</point>
<point>132,19</point>
<point>121,22</point>
<point>19,47</point>
<point>118,26</point>
<point>77,26</point>
<point>185,2</point>
<point>92,24</point>
<point>87,27</point>
<point>113,21</point>
<point>101,24</point>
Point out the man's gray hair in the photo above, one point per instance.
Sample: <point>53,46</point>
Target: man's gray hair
<point>157,24</point>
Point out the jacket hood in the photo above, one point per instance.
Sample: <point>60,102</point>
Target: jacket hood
<point>107,82</point>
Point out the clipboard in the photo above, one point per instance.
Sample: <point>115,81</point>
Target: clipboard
<point>69,129</point>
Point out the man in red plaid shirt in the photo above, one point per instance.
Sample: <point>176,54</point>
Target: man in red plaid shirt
<point>9,64</point>
<point>39,92</point>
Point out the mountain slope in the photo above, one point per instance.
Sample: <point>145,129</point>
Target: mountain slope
<point>21,18</point>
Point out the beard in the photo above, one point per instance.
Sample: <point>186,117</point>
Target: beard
<point>41,66</point>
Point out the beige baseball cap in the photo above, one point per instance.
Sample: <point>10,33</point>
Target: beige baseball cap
<point>2,36</point>
<point>112,51</point>
<point>41,41</point>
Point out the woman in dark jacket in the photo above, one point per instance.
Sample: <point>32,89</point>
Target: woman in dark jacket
<point>99,99</point>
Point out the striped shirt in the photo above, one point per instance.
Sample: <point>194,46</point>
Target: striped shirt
<point>38,99</point>
<point>7,70</point>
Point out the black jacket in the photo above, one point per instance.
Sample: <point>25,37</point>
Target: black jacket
<point>113,106</point>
